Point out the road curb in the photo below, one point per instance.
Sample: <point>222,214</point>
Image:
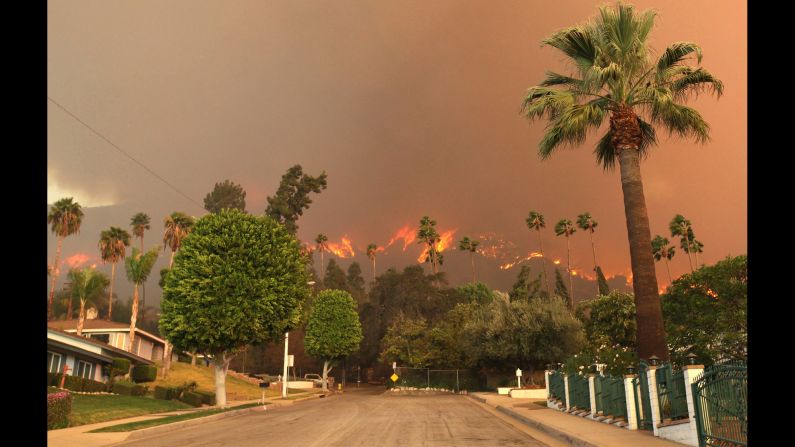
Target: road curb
<point>554,432</point>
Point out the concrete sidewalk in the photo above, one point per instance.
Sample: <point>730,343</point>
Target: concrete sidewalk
<point>576,431</point>
<point>79,436</point>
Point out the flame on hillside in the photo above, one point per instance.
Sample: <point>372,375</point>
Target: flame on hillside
<point>519,261</point>
<point>343,249</point>
<point>445,240</point>
<point>494,246</point>
<point>556,261</point>
<point>407,234</point>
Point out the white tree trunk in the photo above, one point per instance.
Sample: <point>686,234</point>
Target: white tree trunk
<point>81,318</point>
<point>326,370</point>
<point>133,319</point>
<point>221,364</point>
<point>166,358</point>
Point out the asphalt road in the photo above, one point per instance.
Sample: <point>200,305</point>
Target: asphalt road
<point>356,418</point>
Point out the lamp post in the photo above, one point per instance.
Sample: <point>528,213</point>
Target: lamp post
<point>286,340</point>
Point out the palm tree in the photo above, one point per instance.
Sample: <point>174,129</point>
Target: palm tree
<point>535,221</point>
<point>113,245</point>
<point>371,250</point>
<point>586,223</point>
<point>661,250</point>
<point>138,267</point>
<point>87,285</point>
<point>680,227</point>
<point>65,217</point>
<point>427,235</point>
<point>470,245</point>
<point>322,245</point>
<point>564,227</point>
<point>616,78</point>
<point>177,226</point>
<point>698,247</point>
<point>140,223</point>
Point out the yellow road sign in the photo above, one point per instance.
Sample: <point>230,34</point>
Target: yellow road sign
<point>394,377</point>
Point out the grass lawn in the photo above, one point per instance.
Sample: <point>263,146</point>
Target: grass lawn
<point>236,389</point>
<point>90,409</point>
<point>168,419</point>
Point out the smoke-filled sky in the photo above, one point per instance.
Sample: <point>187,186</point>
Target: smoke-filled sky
<point>410,107</point>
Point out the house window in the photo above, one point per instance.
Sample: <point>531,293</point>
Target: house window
<point>85,370</point>
<point>53,362</point>
<point>101,337</point>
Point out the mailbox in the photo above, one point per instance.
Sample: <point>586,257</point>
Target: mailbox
<point>265,384</point>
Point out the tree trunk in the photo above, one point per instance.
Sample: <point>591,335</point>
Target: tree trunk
<point>373,268</point>
<point>571,285</point>
<point>110,295</point>
<point>54,273</point>
<point>133,318</point>
<point>221,364</point>
<point>651,332</point>
<point>325,375</point>
<point>166,358</point>
<point>193,359</point>
<point>593,248</point>
<point>698,263</point>
<point>321,264</point>
<point>69,308</point>
<point>472,258</point>
<point>543,263</point>
<point>81,317</point>
<point>667,267</point>
<point>171,261</point>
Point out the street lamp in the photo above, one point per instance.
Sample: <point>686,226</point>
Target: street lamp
<point>284,370</point>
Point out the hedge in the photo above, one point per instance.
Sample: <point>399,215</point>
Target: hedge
<point>73,383</point>
<point>92,386</point>
<point>121,366</point>
<point>195,399</point>
<point>126,388</point>
<point>144,373</point>
<point>208,397</point>
<point>59,409</point>
<point>53,379</point>
<point>166,393</point>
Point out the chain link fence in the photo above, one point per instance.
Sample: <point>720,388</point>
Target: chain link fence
<point>448,379</point>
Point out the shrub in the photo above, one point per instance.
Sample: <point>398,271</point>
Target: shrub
<point>92,386</point>
<point>165,393</point>
<point>53,379</point>
<point>195,399</point>
<point>123,387</point>
<point>144,373</point>
<point>208,397</point>
<point>59,409</point>
<point>139,390</point>
<point>121,366</point>
<point>73,383</point>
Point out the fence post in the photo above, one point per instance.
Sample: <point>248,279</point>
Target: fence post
<point>566,387</point>
<point>654,398</point>
<point>592,393</point>
<point>457,388</point>
<point>547,372</point>
<point>429,378</point>
<point>629,392</point>
<point>691,372</point>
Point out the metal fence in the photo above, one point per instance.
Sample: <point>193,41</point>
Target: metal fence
<point>611,399</point>
<point>640,386</point>
<point>556,386</point>
<point>720,398</point>
<point>671,393</point>
<point>447,379</point>
<point>579,392</point>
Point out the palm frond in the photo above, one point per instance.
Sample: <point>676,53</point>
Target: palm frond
<point>675,54</point>
<point>542,101</point>
<point>695,81</point>
<point>578,43</point>
<point>571,125</point>
<point>553,78</point>
<point>680,119</point>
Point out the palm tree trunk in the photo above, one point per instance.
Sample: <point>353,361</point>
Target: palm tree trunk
<point>110,295</point>
<point>593,248</point>
<point>472,258</point>
<point>651,332</point>
<point>571,285</point>
<point>698,264</point>
<point>667,267</point>
<point>81,318</point>
<point>171,261</point>
<point>543,264</point>
<point>321,263</point>
<point>54,275</point>
<point>69,308</point>
<point>373,268</point>
<point>133,318</point>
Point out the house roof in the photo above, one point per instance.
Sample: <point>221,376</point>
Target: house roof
<point>96,325</point>
<point>113,351</point>
<point>72,348</point>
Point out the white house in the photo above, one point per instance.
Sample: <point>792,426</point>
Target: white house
<point>116,335</point>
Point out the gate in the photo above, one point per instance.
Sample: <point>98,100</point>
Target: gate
<point>579,392</point>
<point>720,397</point>
<point>556,386</point>
<point>640,386</point>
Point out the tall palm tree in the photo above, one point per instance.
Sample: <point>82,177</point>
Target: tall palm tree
<point>177,227</point>
<point>564,227</point>
<point>371,250</point>
<point>87,285</point>
<point>427,235</point>
<point>322,246</point>
<point>138,267</point>
<point>535,221</point>
<point>661,250</point>
<point>586,223</point>
<point>65,217</point>
<point>616,78</point>
<point>113,245</point>
<point>698,247</point>
<point>681,227</point>
<point>470,245</point>
<point>140,223</point>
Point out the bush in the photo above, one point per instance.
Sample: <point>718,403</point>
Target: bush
<point>165,393</point>
<point>144,373</point>
<point>195,399</point>
<point>92,386</point>
<point>208,397</point>
<point>53,379</point>
<point>127,388</point>
<point>73,383</point>
<point>121,366</point>
<point>59,410</point>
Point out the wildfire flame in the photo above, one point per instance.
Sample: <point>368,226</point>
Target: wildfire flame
<point>406,233</point>
<point>519,261</point>
<point>556,261</point>
<point>494,246</point>
<point>445,240</point>
<point>344,249</point>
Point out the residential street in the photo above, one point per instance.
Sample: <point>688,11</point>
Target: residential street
<point>365,417</point>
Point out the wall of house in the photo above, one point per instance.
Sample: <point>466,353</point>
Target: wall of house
<point>157,353</point>
<point>145,348</point>
<point>118,340</point>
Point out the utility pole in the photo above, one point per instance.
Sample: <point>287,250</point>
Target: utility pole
<point>284,376</point>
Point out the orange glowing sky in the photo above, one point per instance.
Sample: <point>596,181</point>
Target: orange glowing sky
<point>411,107</point>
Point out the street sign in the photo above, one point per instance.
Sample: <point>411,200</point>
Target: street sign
<point>518,372</point>
<point>394,365</point>
<point>290,360</point>
<point>394,377</point>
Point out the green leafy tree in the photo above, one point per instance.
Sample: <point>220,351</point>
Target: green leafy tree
<point>604,289</point>
<point>138,267</point>
<point>334,330</point>
<point>661,250</point>
<point>560,289</point>
<point>406,343</point>
<point>372,249</point>
<point>535,221</point>
<point>65,217</point>
<point>322,246</point>
<point>524,288</point>
<point>177,227</point>
<point>610,320</point>
<point>681,227</point>
<point>564,227</point>
<point>355,283</point>
<point>239,280</point>
<point>87,285</point>
<point>113,245</point>
<point>477,293</point>
<point>706,312</point>
<point>428,236</point>
<point>335,277</point>
<point>470,245</point>
<point>616,78</point>
<point>226,195</point>
<point>292,197</point>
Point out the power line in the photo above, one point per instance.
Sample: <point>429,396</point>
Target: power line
<point>125,153</point>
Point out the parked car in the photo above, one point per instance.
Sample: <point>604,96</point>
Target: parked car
<point>318,379</point>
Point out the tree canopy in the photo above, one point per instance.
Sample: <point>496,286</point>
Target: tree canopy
<point>292,197</point>
<point>226,195</point>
